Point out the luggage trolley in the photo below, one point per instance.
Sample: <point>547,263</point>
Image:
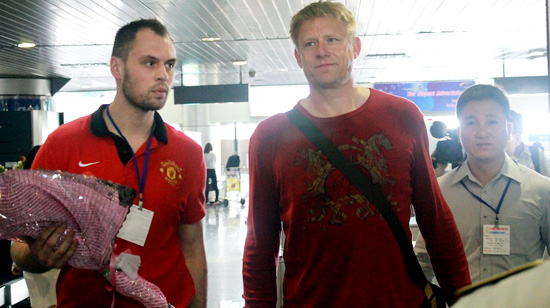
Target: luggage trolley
<point>233,181</point>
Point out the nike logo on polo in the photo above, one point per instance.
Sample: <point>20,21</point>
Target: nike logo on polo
<point>81,164</point>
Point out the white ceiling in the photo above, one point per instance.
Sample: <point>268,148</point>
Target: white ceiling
<point>402,40</point>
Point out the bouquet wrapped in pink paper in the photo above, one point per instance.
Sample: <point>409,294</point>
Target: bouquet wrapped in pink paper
<point>31,200</point>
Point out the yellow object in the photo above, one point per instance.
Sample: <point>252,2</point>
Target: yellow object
<point>233,184</point>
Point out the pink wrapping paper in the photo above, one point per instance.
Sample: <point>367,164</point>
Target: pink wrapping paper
<point>31,200</point>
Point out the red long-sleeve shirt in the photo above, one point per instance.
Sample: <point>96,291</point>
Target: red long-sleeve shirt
<point>339,251</point>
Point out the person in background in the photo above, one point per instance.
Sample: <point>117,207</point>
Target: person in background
<point>127,142</point>
<point>211,179</point>
<point>530,156</point>
<point>338,251</point>
<point>448,149</point>
<point>501,208</point>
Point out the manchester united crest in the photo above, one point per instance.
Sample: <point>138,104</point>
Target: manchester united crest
<point>171,172</point>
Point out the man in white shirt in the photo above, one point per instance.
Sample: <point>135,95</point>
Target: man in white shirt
<point>501,208</point>
<point>530,156</point>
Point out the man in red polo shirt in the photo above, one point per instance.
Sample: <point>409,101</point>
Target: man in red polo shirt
<point>127,142</point>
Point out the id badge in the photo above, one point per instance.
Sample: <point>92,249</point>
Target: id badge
<point>496,240</point>
<point>136,226</point>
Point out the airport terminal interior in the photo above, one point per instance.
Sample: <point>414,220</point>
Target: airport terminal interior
<point>427,51</point>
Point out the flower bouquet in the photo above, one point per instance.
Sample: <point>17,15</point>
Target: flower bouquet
<point>32,200</point>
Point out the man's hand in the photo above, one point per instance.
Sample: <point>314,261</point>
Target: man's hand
<point>45,252</point>
<point>44,248</point>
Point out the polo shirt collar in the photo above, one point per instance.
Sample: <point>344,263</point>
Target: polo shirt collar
<point>509,169</point>
<point>99,127</point>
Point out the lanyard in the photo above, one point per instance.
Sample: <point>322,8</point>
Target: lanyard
<point>497,210</point>
<point>141,179</point>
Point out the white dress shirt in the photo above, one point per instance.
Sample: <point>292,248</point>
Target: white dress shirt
<point>525,208</point>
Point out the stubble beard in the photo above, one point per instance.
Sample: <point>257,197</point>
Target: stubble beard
<point>140,101</point>
<point>324,85</point>
<point>334,82</point>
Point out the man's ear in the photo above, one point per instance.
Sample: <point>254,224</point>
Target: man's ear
<point>298,57</point>
<point>510,126</point>
<point>356,47</point>
<point>117,68</point>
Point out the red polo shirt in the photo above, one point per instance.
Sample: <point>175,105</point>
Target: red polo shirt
<point>174,191</point>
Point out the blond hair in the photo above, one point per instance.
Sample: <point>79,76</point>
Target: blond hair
<point>319,9</point>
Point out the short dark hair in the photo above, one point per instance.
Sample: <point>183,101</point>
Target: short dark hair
<point>481,92</point>
<point>207,148</point>
<point>30,157</point>
<point>126,35</point>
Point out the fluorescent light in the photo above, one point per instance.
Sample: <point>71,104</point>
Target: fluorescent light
<point>210,39</point>
<point>538,53</point>
<point>386,55</point>
<point>239,62</point>
<point>26,45</point>
<point>85,65</point>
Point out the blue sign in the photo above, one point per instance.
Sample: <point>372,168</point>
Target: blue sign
<point>428,96</point>
<point>539,137</point>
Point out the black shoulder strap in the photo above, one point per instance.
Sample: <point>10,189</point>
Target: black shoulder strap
<point>365,186</point>
<point>535,157</point>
